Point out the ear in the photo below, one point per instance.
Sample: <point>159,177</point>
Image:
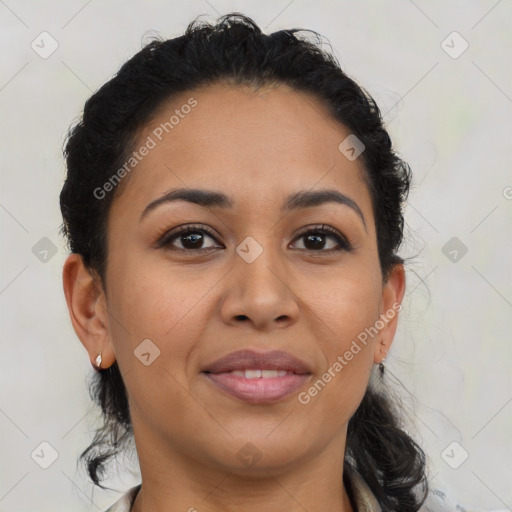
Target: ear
<point>88,310</point>
<point>392,294</point>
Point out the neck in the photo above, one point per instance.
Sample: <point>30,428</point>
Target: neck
<point>172,482</point>
<point>232,493</point>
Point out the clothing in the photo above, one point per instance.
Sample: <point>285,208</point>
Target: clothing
<point>358,490</point>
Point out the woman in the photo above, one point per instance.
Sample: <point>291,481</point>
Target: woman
<point>233,208</point>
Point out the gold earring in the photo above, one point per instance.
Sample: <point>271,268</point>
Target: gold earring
<point>98,361</point>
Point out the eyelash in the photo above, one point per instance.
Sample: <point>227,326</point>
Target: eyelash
<point>344,244</point>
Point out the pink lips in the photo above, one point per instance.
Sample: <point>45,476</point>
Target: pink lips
<point>268,388</point>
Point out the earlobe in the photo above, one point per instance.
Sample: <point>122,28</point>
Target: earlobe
<point>392,295</point>
<point>87,308</point>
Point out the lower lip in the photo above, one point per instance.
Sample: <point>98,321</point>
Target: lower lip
<point>258,391</point>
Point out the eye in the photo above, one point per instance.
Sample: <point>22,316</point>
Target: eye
<point>313,239</point>
<point>190,237</point>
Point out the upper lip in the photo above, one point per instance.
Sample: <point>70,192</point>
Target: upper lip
<point>251,360</point>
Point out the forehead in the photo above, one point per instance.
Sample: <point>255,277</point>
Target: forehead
<point>254,144</point>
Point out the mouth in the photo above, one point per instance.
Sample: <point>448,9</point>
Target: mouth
<point>258,378</point>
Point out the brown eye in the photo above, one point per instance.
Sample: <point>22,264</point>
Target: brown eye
<point>191,238</point>
<point>314,239</point>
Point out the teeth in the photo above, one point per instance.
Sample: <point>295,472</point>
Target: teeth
<point>257,374</point>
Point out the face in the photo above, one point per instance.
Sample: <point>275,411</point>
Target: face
<point>198,283</point>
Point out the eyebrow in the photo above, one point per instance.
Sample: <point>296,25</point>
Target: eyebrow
<point>295,201</point>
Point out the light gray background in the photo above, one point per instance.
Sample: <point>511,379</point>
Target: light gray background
<point>450,118</point>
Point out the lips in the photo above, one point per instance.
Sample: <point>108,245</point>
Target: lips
<point>258,377</point>
<point>250,360</point>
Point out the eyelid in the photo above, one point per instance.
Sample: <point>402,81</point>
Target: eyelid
<point>321,228</point>
<point>185,228</point>
<point>343,242</point>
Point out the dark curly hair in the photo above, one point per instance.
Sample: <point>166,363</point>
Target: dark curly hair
<point>235,51</point>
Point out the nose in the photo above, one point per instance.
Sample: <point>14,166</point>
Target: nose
<point>258,292</point>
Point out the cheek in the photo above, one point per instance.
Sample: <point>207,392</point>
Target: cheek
<point>154,328</point>
<point>348,310</point>
<point>336,392</point>
<point>348,304</point>
<point>165,307</point>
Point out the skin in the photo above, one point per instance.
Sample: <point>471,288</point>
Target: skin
<point>257,146</point>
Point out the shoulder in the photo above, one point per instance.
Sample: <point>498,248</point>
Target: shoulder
<point>124,504</point>
<point>443,501</point>
<point>438,500</point>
